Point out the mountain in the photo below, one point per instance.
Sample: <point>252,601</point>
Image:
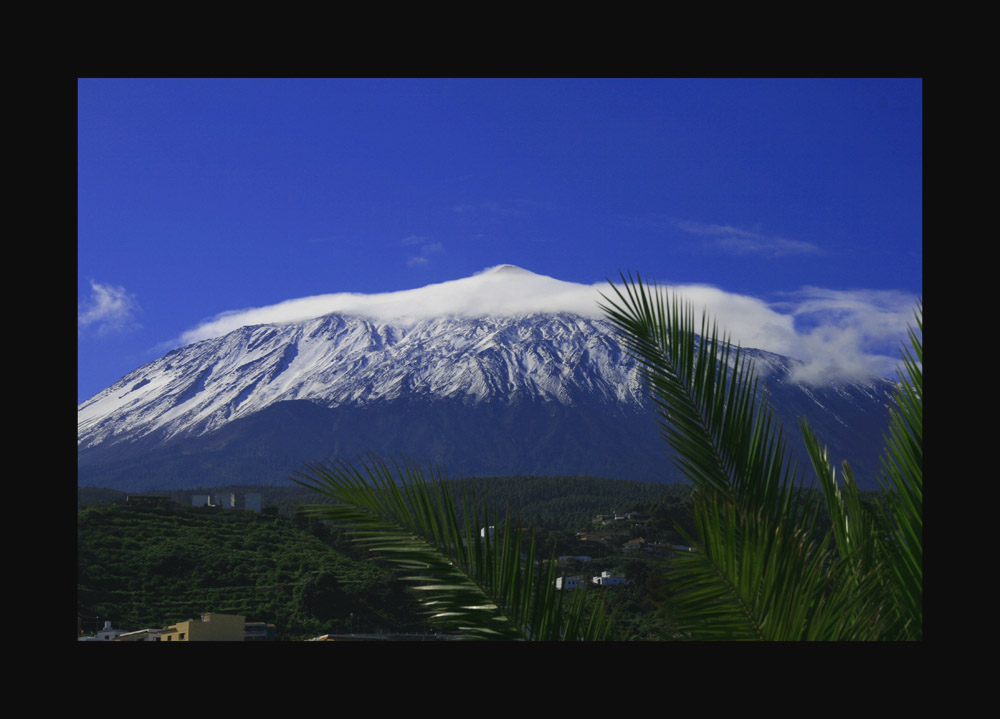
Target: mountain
<point>548,393</point>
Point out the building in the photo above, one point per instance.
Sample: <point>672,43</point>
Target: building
<point>607,579</point>
<point>634,544</point>
<point>108,634</point>
<point>226,501</point>
<point>569,582</point>
<point>141,635</point>
<point>211,627</point>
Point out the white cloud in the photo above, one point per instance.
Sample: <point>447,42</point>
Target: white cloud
<point>734,239</point>
<point>849,332</point>
<point>837,334</point>
<point>426,250</point>
<point>109,308</point>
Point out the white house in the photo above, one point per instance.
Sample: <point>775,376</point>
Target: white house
<point>105,635</point>
<point>607,579</point>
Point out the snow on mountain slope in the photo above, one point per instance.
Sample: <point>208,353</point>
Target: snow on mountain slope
<point>337,360</point>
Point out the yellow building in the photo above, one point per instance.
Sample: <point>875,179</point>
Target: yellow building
<point>211,628</point>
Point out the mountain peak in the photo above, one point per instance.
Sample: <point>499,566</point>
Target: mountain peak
<point>507,270</point>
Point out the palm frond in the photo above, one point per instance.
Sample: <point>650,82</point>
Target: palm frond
<point>858,566</point>
<point>747,578</point>
<point>759,569</point>
<point>852,524</point>
<point>466,580</point>
<point>726,437</point>
<point>903,484</point>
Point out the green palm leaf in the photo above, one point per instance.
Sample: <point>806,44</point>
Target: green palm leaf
<point>466,581</point>
<point>903,483</point>
<point>759,569</point>
<point>727,440</point>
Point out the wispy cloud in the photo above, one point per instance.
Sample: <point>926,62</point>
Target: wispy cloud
<point>427,249</point>
<point>740,241</point>
<point>837,334</point>
<point>491,208</point>
<point>848,331</point>
<point>109,308</point>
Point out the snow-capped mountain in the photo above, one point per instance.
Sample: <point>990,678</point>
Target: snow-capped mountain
<point>529,393</point>
<point>340,360</point>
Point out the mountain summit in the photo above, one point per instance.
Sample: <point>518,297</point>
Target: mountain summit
<point>499,387</point>
<point>508,270</point>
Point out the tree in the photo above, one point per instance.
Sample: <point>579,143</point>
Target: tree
<point>760,566</point>
<point>322,597</point>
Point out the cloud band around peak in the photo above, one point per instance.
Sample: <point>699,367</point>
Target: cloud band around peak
<point>838,334</point>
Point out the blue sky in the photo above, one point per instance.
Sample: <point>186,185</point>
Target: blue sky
<point>198,197</point>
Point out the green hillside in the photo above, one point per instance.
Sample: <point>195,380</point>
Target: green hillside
<point>153,567</point>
